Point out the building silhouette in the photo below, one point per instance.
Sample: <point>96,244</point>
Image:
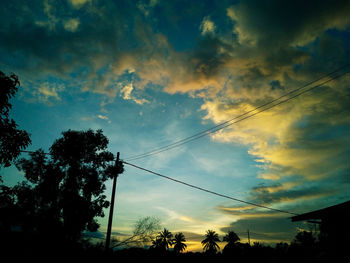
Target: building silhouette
<point>334,224</point>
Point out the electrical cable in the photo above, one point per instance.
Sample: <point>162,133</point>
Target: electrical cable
<point>209,191</point>
<point>227,123</point>
<point>222,126</point>
<point>199,188</point>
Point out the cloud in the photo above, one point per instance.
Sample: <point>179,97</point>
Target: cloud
<point>71,24</point>
<point>207,26</point>
<point>291,140</point>
<point>97,234</point>
<point>213,64</point>
<point>193,241</point>
<point>173,215</point>
<point>125,92</point>
<point>266,229</point>
<point>51,20</point>
<point>45,92</point>
<point>94,117</point>
<point>285,193</point>
<point>103,117</point>
<point>242,57</point>
<point>294,197</point>
<point>146,7</point>
<point>78,3</point>
<point>292,23</point>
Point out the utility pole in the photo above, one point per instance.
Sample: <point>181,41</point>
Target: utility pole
<point>110,218</point>
<point>248,237</point>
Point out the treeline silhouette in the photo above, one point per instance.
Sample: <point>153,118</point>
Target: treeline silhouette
<point>46,215</point>
<point>306,246</point>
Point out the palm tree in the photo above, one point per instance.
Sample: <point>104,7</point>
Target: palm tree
<point>231,238</point>
<point>164,239</point>
<point>179,244</point>
<point>156,244</point>
<point>209,243</point>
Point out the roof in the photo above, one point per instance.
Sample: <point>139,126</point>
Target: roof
<point>331,211</point>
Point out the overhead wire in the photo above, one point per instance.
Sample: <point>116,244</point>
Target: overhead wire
<point>209,191</point>
<point>232,121</point>
<point>199,188</point>
<point>222,126</point>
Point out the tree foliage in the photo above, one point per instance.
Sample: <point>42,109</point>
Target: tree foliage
<point>12,140</point>
<point>144,232</point>
<point>209,243</point>
<point>65,193</point>
<point>178,242</point>
<point>163,240</point>
<point>304,239</point>
<point>231,238</point>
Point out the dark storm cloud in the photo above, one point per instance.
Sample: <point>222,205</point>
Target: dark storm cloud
<point>296,198</point>
<point>101,39</point>
<point>83,44</point>
<point>272,230</point>
<point>289,22</point>
<point>282,34</point>
<point>268,195</point>
<point>37,30</point>
<point>103,31</point>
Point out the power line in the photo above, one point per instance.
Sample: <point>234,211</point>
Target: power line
<point>199,188</point>
<point>230,122</point>
<point>209,191</point>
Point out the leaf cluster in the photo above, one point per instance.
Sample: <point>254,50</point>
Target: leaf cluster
<point>64,192</point>
<point>12,140</point>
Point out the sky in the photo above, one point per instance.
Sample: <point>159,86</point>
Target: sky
<point>149,73</point>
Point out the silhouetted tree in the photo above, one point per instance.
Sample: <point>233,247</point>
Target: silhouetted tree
<point>8,210</point>
<point>12,140</point>
<point>68,187</point>
<point>144,231</point>
<point>282,248</point>
<point>304,239</point>
<point>178,242</point>
<point>257,245</point>
<point>163,240</point>
<point>166,238</point>
<point>209,243</point>
<point>156,244</point>
<point>231,238</point>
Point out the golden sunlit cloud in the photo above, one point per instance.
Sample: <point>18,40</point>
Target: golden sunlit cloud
<point>272,134</point>
<point>78,3</point>
<point>71,24</point>
<point>207,26</point>
<point>126,94</point>
<point>46,93</point>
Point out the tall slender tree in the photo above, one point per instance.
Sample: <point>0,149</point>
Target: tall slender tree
<point>209,243</point>
<point>163,240</point>
<point>231,238</point>
<point>178,242</point>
